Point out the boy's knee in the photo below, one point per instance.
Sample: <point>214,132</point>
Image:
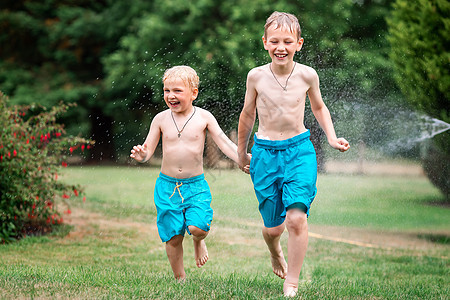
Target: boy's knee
<point>197,232</point>
<point>273,232</point>
<point>175,241</point>
<point>296,221</point>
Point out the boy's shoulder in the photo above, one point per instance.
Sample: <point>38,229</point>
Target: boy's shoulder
<point>306,69</point>
<point>258,70</point>
<point>162,114</point>
<point>204,112</point>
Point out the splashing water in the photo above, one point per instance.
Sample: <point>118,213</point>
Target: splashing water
<point>428,127</point>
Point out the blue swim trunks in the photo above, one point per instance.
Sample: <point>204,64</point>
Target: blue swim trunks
<point>284,173</point>
<point>181,203</point>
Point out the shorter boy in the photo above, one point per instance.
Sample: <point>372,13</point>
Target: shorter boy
<point>182,196</point>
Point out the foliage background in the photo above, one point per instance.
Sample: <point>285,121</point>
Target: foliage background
<point>108,57</point>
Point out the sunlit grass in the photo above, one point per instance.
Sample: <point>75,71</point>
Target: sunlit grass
<point>113,250</point>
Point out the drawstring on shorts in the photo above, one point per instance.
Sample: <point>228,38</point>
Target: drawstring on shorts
<point>177,187</point>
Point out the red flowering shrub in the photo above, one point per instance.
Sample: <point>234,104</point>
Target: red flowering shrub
<point>33,147</point>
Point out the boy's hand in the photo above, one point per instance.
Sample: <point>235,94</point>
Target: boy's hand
<point>340,144</point>
<point>244,162</point>
<point>139,152</point>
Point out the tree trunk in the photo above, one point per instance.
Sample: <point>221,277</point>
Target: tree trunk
<point>101,132</point>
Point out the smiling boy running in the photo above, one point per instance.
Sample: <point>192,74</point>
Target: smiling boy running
<point>283,163</point>
<point>182,196</point>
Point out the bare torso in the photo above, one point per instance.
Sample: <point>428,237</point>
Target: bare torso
<point>280,112</point>
<point>183,156</point>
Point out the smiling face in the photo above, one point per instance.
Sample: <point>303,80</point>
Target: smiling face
<point>178,96</point>
<point>281,44</point>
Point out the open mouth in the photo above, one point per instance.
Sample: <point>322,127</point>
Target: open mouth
<point>281,55</point>
<point>174,103</point>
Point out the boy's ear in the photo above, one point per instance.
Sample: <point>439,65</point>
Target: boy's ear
<point>300,44</point>
<point>194,94</point>
<point>264,42</point>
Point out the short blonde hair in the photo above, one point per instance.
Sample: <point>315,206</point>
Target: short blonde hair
<point>185,73</point>
<point>285,21</point>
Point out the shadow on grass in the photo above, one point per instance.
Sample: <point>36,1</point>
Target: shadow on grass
<point>436,238</point>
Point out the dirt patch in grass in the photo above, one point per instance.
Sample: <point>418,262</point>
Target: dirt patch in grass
<point>378,239</point>
<point>88,223</point>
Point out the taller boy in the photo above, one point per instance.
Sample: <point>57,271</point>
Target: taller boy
<point>283,163</point>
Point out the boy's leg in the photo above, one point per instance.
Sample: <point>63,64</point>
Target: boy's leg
<point>174,250</point>
<point>272,238</point>
<point>200,250</point>
<point>297,226</point>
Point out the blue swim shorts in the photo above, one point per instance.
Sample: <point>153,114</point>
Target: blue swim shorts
<point>181,203</point>
<point>284,173</point>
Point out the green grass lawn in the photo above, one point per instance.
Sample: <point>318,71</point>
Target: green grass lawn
<point>113,249</point>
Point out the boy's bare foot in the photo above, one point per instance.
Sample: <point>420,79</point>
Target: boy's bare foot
<point>290,293</point>
<point>279,265</point>
<point>181,280</point>
<point>201,253</point>
<point>289,290</point>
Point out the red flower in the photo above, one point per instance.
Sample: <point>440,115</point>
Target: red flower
<point>64,164</point>
<point>28,141</point>
<point>82,147</point>
<point>1,157</point>
<point>68,211</point>
<point>71,149</point>
<point>65,196</point>
<point>58,134</point>
<point>84,199</point>
<point>15,152</point>
<point>75,192</point>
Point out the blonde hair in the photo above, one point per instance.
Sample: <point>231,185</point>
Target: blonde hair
<point>285,21</point>
<point>185,73</point>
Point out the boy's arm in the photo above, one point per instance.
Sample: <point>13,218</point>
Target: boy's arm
<point>143,153</point>
<point>220,138</point>
<point>322,113</point>
<point>246,121</point>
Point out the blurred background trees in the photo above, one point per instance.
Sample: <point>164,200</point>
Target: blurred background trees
<point>108,57</point>
<point>419,34</point>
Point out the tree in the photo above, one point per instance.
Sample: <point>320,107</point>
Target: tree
<point>419,34</point>
<point>222,41</point>
<point>52,51</point>
<point>109,56</point>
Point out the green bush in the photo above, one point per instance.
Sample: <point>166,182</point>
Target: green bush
<point>33,147</point>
